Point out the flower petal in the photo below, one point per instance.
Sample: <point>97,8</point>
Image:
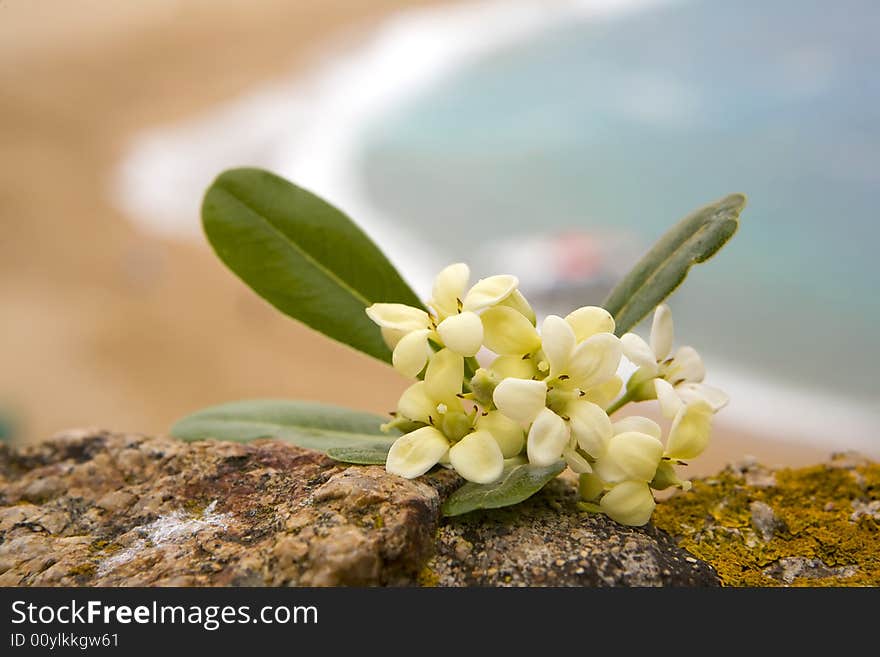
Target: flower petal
<point>513,366</point>
<point>411,353</point>
<point>629,503</point>
<point>595,360</point>
<point>590,320</point>
<point>547,438</point>
<point>449,287</point>
<point>608,470</point>
<point>690,431</point>
<point>520,399</point>
<point>416,404</point>
<point>661,332</point>
<point>477,458</point>
<point>444,375</point>
<point>635,454</point>
<point>413,454</point>
<point>507,332</point>
<point>670,403</point>
<point>398,316</point>
<point>463,333</point>
<point>577,463</point>
<point>507,433</point>
<point>691,392</point>
<point>590,426</point>
<point>557,342</point>
<point>686,365</point>
<point>490,291</point>
<point>638,352</point>
<point>392,336</point>
<point>518,302</point>
<point>604,393</point>
<point>640,424</point>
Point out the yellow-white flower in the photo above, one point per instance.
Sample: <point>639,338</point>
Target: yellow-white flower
<point>684,370</point>
<point>691,423</point>
<point>454,324</point>
<point>577,359</point>
<point>634,459</point>
<point>629,463</point>
<point>453,433</point>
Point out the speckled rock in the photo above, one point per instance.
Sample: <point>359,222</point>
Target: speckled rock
<point>548,541</point>
<point>95,508</point>
<point>814,526</point>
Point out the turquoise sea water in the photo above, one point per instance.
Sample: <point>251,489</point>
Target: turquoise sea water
<point>631,123</point>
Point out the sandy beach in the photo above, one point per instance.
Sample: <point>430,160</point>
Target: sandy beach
<point>104,326</point>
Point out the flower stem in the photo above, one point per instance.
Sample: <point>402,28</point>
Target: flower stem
<point>623,401</point>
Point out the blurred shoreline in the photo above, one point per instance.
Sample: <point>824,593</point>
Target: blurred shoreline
<point>311,129</point>
<point>106,324</point>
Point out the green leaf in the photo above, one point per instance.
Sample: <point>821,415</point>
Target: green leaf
<point>365,455</point>
<point>694,239</point>
<point>311,425</point>
<point>519,482</point>
<point>302,255</point>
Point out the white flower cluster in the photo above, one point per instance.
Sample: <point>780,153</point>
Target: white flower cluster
<point>545,397</point>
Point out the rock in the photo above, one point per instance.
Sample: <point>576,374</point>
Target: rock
<point>764,520</point>
<point>103,509</point>
<point>814,526</point>
<point>548,541</point>
<point>92,508</point>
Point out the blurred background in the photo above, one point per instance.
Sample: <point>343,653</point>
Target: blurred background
<point>551,139</point>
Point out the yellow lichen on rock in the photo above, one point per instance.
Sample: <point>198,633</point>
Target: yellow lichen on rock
<point>814,526</point>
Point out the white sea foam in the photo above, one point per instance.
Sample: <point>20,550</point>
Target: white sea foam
<point>789,413</point>
<point>310,129</point>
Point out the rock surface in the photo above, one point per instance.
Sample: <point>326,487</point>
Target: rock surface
<point>95,508</point>
<point>814,526</point>
<point>547,541</point>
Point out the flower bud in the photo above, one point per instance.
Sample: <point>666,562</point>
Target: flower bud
<point>590,487</point>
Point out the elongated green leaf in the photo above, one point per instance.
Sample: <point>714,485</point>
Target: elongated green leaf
<point>302,255</point>
<point>518,483</point>
<point>365,455</point>
<point>306,424</point>
<point>694,239</point>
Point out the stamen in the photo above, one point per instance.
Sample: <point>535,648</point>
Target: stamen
<point>563,377</point>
